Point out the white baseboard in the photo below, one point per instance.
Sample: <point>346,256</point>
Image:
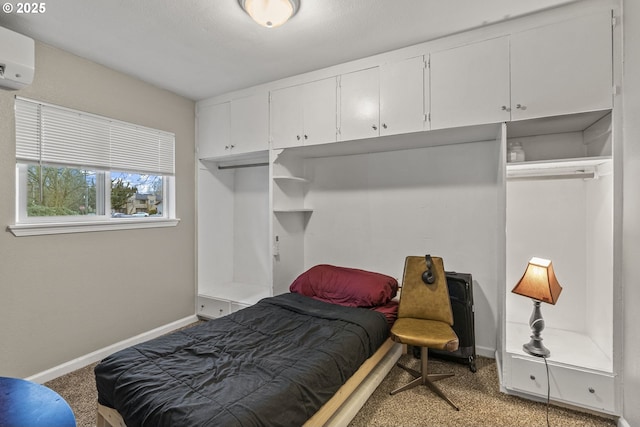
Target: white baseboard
<point>485,351</point>
<point>623,423</point>
<point>87,359</point>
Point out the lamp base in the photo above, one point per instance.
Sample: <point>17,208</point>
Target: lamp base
<point>535,346</point>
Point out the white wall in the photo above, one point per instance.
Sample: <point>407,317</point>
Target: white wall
<point>233,227</point>
<point>251,225</point>
<point>631,210</point>
<point>599,261</point>
<point>547,219</point>
<point>373,210</point>
<point>65,296</point>
<point>215,206</point>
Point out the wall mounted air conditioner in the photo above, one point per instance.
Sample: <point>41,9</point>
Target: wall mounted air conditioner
<point>17,60</point>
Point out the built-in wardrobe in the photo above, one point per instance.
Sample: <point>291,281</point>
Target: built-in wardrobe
<point>420,150</point>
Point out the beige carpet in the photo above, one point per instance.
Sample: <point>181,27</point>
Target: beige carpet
<point>477,395</point>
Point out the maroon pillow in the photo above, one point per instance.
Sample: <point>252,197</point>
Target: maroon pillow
<point>390,311</point>
<point>345,286</point>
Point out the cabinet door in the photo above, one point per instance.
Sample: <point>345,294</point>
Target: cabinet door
<point>286,117</point>
<point>250,124</point>
<point>213,130</point>
<point>562,68</point>
<point>470,84</point>
<point>319,102</point>
<point>359,104</point>
<point>402,96</point>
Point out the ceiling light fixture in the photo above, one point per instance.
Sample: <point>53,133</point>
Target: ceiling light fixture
<point>270,13</point>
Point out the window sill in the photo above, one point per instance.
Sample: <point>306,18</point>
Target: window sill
<point>36,229</point>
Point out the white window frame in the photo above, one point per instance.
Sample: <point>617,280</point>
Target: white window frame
<point>30,226</point>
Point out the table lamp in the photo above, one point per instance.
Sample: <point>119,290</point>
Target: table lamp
<point>540,284</point>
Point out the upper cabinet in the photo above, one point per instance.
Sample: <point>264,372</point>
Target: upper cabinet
<point>237,127</point>
<point>550,68</point>
<point>304,114</point>
<point>470,84</point>
<point>250,124</point>
<point>213,130</point>
<point>540,72</point>
<point>360,104</point>
<point>402,96</point>
<point>562,68</point>
<point>385,100</point>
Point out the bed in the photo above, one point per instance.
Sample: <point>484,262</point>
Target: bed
<point>309,357</point>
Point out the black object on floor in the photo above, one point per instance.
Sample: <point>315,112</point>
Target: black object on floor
<point>461,294</point>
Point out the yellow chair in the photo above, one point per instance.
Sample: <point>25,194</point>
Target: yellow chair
<point>425,318</point>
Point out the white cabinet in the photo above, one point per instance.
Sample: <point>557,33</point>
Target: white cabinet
<point>320,111</point>
<point>304,114</point>
<point>249,118</point>
<point>562,68</point>
<point>233,238</point>
<point>286,117</point>
<point>360,104</point>
<point>567,384</point>
<point>470,84</point>
<point>402,96</point>
<point>212,307</point>
<point>560,206</point>
<point>213,130</point>
<point>540,72</point>
<point>240,126</point>
<point>385,100</point>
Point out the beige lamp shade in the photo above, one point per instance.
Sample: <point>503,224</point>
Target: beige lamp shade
<point>539,282</point>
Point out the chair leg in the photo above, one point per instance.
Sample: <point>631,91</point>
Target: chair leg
<point>424,378</point>
<point>413,372</point>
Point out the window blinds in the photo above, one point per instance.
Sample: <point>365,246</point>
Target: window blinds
<point>54,135</point>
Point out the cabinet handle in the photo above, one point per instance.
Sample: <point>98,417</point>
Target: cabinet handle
<point>298,137</point>
<point>226,147</point>
<point>384,125</point>
<point>505,108</point>
<point>521,107</point>
<point>374,127</point>
<point>306,137</point>
<point>592,390</point>
<point>232,145</point>
<point>532,377</point>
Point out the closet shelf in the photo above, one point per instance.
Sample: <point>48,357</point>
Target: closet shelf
<point>289,178</point>
<point>290,210</point>
<point>587,167</point>
<point>238,160</point>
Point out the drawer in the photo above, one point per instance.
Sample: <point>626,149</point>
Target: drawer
<point>235,306</point>
<point>567,384</point>
<point>586,388</point>
<point>529,376</point>
<point>212,308</point>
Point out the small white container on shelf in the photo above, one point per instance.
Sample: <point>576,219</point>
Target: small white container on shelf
<point>515,152</point>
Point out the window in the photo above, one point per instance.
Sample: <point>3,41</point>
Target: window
<point>82,172</point>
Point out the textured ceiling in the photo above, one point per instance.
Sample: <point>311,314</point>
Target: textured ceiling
<point>202,48</point>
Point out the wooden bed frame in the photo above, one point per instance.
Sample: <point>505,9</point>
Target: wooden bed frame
<point>340,409</point>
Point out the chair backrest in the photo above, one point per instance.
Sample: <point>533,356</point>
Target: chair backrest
<point>419,300</point>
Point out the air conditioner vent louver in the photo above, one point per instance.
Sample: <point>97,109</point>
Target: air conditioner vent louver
<point>17,59</point>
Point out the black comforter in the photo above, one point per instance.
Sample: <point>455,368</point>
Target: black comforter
<point>272,364</point>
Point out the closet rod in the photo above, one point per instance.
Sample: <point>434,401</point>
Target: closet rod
<point>248,165</point>
<point>581,175</point>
